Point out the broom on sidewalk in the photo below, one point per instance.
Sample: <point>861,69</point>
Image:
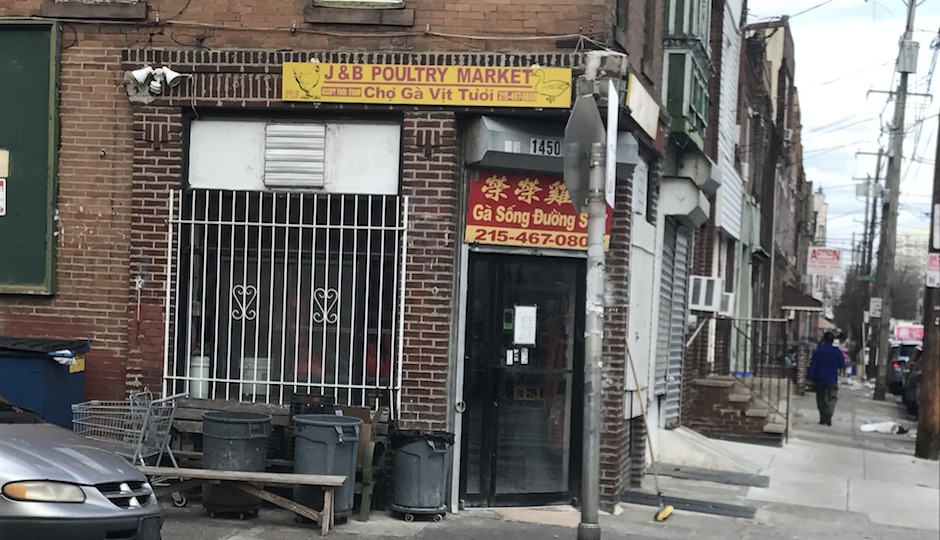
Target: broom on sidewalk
<point>665,510</point>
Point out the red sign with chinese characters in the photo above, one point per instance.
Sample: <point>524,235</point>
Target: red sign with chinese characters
<point>530,210</point>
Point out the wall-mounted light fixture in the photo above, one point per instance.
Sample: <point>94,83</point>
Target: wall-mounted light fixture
<point>147,82</point>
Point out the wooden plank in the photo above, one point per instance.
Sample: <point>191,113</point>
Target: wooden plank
<point>284,503</point>
<point>386,17</point>
<point>325,524</point>
<point>322,480</point>
<point>192,409</point>
<point>187,426</point>
<point>103,10</point>
<point>197,456</point>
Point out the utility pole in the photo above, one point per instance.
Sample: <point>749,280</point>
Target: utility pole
<point>874,212</point>
<point>874,193</point>
<point>928,413</point>
<point>884,277</point>
<point>854,253</point>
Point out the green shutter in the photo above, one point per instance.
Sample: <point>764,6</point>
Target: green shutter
<point>29,70</point>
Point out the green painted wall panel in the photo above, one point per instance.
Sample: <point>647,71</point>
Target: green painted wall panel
<point>29,131</point>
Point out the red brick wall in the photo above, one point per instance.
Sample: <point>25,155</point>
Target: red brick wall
<point>430,179</point>
<point>94,198</point>
<point>716,416</point>
<point>615,445</point>
<point>158,158</point>
<point>642,40</point>
<point>714,82</point>
<point>113,207</point>
<point>695,361</point>
<point>262,24</point>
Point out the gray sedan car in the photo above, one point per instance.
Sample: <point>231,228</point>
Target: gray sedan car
<point>55,484</point>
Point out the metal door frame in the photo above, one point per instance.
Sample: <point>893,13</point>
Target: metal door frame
<point>490,498</point>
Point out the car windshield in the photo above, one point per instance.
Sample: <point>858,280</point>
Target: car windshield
<point>905,351</point>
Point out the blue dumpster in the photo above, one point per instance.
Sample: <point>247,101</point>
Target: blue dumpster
<point>45,375</point>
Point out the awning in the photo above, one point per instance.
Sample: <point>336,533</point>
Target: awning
<point>796,300</point>
<point>824,324</point>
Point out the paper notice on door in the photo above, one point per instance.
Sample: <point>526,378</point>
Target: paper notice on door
<point>3,196</point>
<point>524,325</point>
<point>524,356</point>
<point>509,357</point>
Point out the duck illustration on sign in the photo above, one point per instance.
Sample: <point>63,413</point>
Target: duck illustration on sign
<point>550,89</point>
<point>307,79</point>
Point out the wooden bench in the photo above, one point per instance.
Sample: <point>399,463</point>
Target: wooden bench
<point>250,483</point>
<point>187,425</point>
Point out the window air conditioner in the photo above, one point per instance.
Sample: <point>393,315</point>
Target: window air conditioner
<point>727,304</point>
<point>705,294</point>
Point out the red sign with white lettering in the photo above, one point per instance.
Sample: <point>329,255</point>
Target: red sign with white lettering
<point>516,209</point>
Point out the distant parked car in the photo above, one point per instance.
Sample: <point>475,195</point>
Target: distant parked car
<point>912,380</point>
<point>897,363</point>
<point>55,485</point>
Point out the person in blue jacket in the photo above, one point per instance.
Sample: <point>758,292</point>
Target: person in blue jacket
<point>823,373</point>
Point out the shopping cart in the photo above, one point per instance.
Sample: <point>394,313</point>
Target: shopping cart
<point>138,429</point>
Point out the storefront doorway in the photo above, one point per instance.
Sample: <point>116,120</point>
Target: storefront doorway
<point>523,380</point>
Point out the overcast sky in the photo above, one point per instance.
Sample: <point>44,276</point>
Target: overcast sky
<point>844,48</point>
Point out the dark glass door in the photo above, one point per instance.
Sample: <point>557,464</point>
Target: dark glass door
<point>523,375</point>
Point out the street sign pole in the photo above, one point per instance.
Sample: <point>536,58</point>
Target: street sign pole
<point>585,179</point>
<point>589,528</point>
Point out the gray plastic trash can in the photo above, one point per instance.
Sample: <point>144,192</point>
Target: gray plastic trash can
<point>326,444</point>
<point>233,441</point>
<point>420,472</point>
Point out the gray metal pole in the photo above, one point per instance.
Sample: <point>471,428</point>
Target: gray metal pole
<point>889,220</point>
<point>589,528</point>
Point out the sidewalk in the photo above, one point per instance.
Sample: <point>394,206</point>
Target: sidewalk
<point>844,480</point>
<point>831,483</point>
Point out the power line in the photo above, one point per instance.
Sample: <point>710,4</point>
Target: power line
<point>807,10</point>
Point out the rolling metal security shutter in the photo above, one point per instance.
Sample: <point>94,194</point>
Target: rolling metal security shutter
<point>295,155</point>
<point>665,307</point>
<point>677,324</point>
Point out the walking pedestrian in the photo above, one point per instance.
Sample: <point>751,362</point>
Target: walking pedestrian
<point>823,373</point>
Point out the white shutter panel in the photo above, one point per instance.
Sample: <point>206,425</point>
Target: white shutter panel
<point>295,155</point>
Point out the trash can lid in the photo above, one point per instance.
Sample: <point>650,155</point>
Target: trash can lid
<point>232,417</point>
<point>41,347</point>
<point>328,420</point>
<point>406,436</point>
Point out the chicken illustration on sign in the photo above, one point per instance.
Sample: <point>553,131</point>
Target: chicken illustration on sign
<point>525,210</point>
<point>426,85</point>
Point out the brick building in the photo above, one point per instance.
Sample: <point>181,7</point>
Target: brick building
<point>248,199</point>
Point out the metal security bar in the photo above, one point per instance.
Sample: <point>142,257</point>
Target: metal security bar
<point>278,293</point>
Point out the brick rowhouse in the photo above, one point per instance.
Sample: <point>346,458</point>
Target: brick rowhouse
<point>119,160</point>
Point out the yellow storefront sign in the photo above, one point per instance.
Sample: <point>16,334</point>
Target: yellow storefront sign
<point>459,86</point>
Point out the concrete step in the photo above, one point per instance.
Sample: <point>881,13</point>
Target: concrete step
<point>779,429</point>
<point>683,446</point>
<point>739,397</point>
<point>776,418</point>
<point>716,382</point>
<point>757,412</point>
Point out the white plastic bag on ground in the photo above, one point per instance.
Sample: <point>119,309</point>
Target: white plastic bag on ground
<point>881,427</point>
